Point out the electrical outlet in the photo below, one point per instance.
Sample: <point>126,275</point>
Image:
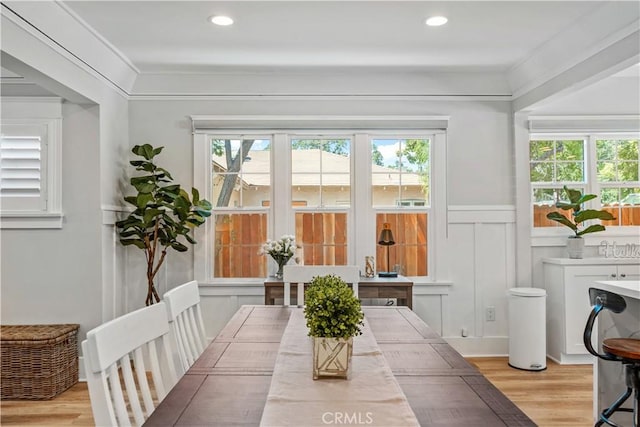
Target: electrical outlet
<point>490,314</point>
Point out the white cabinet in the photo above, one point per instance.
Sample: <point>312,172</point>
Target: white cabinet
<point>567,282</point>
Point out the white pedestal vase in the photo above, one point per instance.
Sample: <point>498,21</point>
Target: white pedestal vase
<point>575,247</point>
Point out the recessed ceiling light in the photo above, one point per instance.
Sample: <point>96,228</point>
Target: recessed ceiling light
<point>436,21</point>
<point>221,20</point>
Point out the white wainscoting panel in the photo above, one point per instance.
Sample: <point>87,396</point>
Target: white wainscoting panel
<point>114,266</point>
<point>483,269</point>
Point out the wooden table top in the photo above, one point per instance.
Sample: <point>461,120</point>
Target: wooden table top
<point>228,385</point>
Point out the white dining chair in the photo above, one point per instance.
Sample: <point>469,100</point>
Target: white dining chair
<point>185,321</point>
<point>301,274</point>
<point>114,352</point>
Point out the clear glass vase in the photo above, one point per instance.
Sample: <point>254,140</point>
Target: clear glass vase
<point>280,267</point>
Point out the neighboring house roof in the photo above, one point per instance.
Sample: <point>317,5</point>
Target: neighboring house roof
<point>305,168</point>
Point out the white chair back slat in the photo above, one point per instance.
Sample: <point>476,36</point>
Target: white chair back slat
<point>188,339</point>
<point>130,386</point>
<point>107,361</point>
<point>202,337</point>
<point>143,383</point>
<point>168,364</point>
<point>287,290</point>
<point>118,397</point>
<point>198,337</point>
<point>183,338</point>
<point>101,403</point>
<point>154,363</point>
<point>185,320</point>
<point>301,274</point>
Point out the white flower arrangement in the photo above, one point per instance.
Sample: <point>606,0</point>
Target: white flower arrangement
<point>281,250</point>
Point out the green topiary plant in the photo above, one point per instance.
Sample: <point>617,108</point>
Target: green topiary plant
<point>163,212</point>
<point>331,308</point>
<point>579,215</point>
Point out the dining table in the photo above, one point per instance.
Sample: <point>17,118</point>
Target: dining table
<point>238,379</point>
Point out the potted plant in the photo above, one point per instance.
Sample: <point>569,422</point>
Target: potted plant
<point>334,316</point>
<point>575,243</point>
<point>163,214</point>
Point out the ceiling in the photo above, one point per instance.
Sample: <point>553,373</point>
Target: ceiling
<point>176,36</point>
<point>501,48</point>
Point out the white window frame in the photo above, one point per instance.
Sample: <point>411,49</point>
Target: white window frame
<point>544,236</point>
<point>45,113</point>
<point>349,210</point>
<point>428,209</point>
<point>283,223</point>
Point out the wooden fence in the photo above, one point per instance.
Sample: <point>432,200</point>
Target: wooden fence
<point>625,215</point>
<point>410,251</point>
<point>238,238</point>
<point>323,237</point>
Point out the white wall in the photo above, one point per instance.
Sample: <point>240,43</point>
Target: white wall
<point>72,275</point>
<point>53,276</point>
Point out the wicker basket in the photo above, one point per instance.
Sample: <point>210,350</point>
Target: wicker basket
<point>38,361</point>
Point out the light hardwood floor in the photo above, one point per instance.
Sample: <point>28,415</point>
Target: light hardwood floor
<point>560,396</point>
<point>557,397</point>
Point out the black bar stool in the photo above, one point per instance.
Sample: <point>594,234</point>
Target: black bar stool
<point>624,350</point>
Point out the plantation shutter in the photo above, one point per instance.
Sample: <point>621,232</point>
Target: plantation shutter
<point>22,168</point>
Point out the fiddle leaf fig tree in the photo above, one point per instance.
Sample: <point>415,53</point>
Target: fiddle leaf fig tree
<point>164,214</point>
<point>579,215</point>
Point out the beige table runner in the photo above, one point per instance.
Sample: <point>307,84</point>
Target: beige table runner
<point>371,396</point>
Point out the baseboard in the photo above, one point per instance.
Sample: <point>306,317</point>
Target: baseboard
<point>480,346</point>
<point>573,359</point>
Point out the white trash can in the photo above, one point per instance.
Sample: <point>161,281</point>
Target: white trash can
<point>527,329</point>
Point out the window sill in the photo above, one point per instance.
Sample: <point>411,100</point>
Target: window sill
<point>621,235</point>
<point>30,220</point>
<point>438,287</point>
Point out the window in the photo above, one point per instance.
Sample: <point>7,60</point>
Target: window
<point>30,175</point>
<point>332,189</point>
<point>553,164</point>
<point>321,177</point>
<point>241,194</point>
<point>592,163</point>
<point>400,177</point>
<point>23,168</point>
<point>617,172</point>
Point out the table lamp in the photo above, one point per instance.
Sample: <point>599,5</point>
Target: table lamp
<point>386,239</point>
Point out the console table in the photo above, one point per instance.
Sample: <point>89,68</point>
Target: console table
<point>399,287</point>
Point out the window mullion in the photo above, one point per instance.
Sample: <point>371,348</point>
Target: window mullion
<point>284,221</point>
<point>365,227</point>
<point>202,265</point>
<point>591,172</point>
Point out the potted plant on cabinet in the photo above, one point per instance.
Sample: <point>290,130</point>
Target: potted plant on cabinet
<point>163,213</point>
<point>334,316</point>
<point>575,243</point>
